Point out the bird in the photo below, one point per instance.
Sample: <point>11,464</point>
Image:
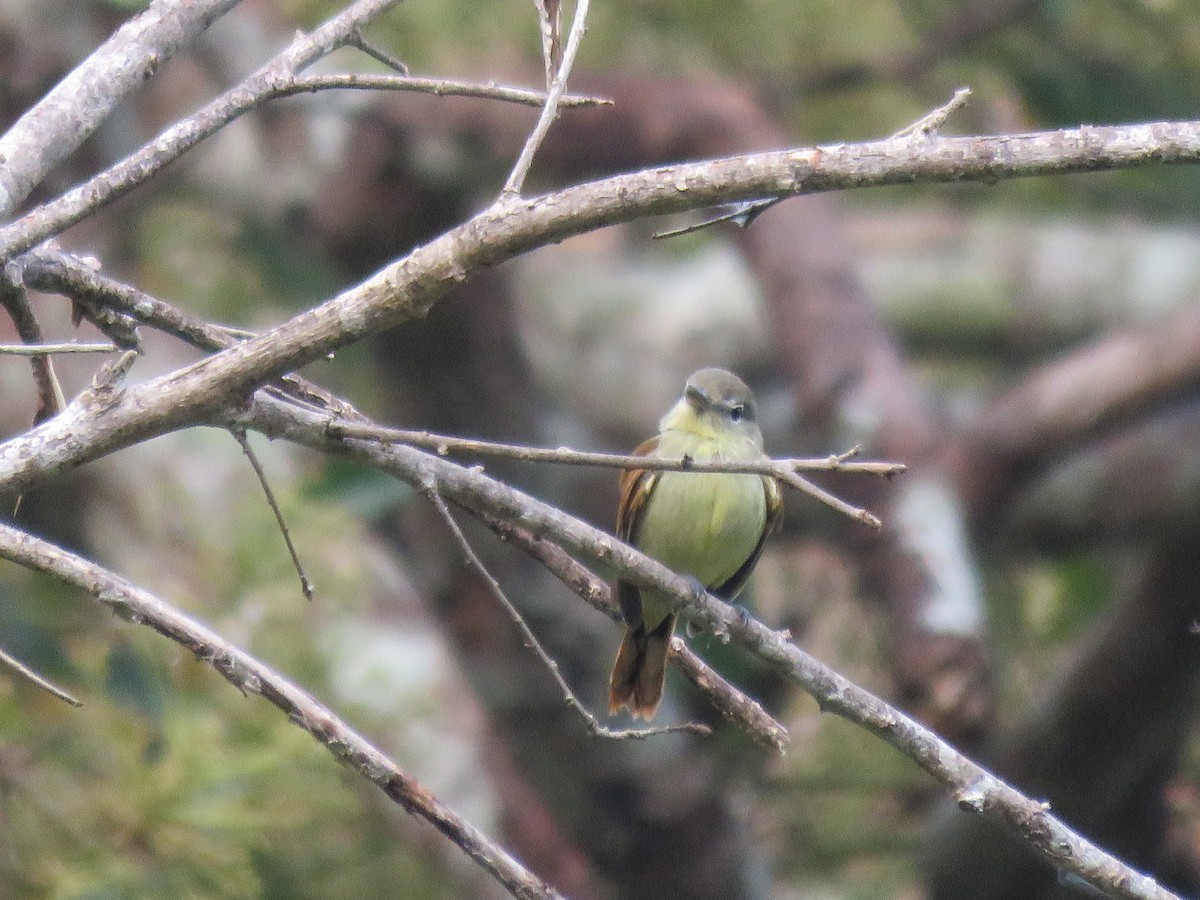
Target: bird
<point>707,526</point>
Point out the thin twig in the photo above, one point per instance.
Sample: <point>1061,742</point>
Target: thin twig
<point>932,122</point>
<point>593,725</point>
<point>744,213</point>
<point>740,214</point>
<point>40,680</point>
<point>377,53</point>
<point>439,87</point>
<point>240,436</point>
<point>731,702</point>
<point>250,676</point>
<point>53,349</point>
<point>550,27</point>
<point>783,469</point>
<point>49,391</point>
<point>445,445</point>
<point>516,179</point>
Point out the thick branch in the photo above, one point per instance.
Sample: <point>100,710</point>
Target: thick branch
<point>250,676</point>
<point>64,118</point>
<point>407,288</point>
<point>55,216</point>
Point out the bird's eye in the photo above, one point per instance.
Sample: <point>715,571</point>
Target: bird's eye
<point>737,413</point>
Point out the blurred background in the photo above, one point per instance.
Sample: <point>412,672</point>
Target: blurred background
<point>1030,349</point>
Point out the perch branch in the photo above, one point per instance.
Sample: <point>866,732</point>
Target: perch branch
<point>976,790</point>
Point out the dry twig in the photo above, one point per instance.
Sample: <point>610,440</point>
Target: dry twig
<point>40,680</point>
<point>306,587</point>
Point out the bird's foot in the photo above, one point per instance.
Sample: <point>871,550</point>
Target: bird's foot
<point>699,590</point>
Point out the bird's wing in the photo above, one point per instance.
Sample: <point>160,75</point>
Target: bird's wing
<point>636,486</point>
<point>774,497</point>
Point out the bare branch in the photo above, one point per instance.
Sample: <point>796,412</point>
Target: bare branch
<point>49,391</point>
<point>52,217</point>
<point>54,349</point>
<point>97,296</point>
<point>558,86</point>
<point>377,53</point>
<point>50,131</point>
<point>250,676</point>
<point>429,489</point>
<point>53,271</point>
<point>407,288</point>
<point>444,445</point>
<point>977,790</point>
<point>550,27</point>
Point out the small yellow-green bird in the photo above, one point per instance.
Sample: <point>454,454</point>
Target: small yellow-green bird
<point>707,525</point>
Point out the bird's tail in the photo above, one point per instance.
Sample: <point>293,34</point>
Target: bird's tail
<point>640,670</point>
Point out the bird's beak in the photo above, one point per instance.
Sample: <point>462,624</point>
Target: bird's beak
<point>695,398</point>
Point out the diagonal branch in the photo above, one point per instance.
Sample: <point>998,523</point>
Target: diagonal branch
<point>734,705</point>
<point>976,790</point>
<point>51,130</point>
<point>56,215</point>
<point>40,680</point>
<point>250,676</point>
<point>49,391</point>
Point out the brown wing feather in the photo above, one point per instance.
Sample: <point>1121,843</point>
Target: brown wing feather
<point>636,485</point>
<point>774,497</point>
